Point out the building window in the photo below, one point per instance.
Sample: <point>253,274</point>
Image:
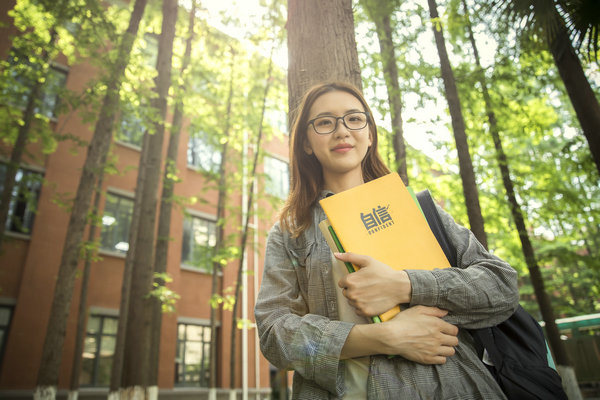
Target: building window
<point>202,154</point>
<point>23,76</point>
<point>199,240</point>
<point>278,177</point>
<point>131,127</point>
<point>116,222</point>
<point>149,47</point>
<point>5,317</point>
<point>193,355</point>
<point>55,82</point>
<point>277,119</point>
<point>24,199</point>
<point>98,350</point>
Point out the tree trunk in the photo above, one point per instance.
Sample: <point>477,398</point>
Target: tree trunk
<point>119,354</point>
<point>136,366</point>
<point>244,239</point>
<point>82,313</point>
<point>537,280</point>
<point>53,345</point>
<point>584,101</point>
<point>216,271</point>
<point>19,147</point>
<point>321,46</point>
<point>380,12</point>
<point>166,205</point>
<point>458,126</point>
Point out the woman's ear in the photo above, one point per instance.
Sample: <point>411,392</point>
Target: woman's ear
<point>307,149</point>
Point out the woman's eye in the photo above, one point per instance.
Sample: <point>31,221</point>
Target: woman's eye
<point>323,122</point>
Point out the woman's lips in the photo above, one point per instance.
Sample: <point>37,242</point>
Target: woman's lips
<point>342,148</point>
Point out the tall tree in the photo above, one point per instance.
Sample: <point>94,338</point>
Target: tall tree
<point>85,279</point>
<point>321,46</point>
<point>119,353</point>
<point>380,12</point>
<point>166,202</point>
<point>246,224</point>
<point>136,366</point>
<point>47,380</point>
<point>467,173</point>
<point>220,229</point>
<point>558,346</point>
<point>583,19</point>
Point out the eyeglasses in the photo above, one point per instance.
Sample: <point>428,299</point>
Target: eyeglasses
<point>353,120</point>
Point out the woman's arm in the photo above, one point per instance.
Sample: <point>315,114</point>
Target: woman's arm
<point>481,292</point>
<point>418,334</point>
<point>290,337</point>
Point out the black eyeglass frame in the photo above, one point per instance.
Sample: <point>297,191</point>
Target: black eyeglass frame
<point>312,122</point>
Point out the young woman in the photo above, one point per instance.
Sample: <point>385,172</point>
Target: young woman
<point>311,316</point>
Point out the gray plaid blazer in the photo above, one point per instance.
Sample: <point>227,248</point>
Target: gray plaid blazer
<point>297,318</point>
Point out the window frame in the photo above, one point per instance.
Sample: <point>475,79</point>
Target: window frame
<point>63,69</point>
<point>205,325</point>
<point>5,329</point>
<point>201,140</point>
<point>99,336</point>
<point>131,120</point>
<point>278,120</point>
<point>30,209</point>
<point>22,85</point>
<point>280,192</point>
<point>196,215</point>
<point>123,195</point>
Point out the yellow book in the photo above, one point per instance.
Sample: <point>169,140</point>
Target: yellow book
<point>381,219</point>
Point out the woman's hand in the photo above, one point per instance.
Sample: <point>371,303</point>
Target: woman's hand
<point>375,288</point>
<point>418,334</point>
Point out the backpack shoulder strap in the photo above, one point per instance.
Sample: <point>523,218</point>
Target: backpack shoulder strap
<point>435,224</point>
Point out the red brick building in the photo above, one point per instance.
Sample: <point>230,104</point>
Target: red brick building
<point>31,253</point>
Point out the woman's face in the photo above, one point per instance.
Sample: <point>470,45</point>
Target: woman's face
<point>340,152</point>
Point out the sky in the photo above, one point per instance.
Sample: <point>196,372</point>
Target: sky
<point>249,13</point>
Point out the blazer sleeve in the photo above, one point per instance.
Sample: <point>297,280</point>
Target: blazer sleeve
<point>290,336</point>
<point>481,292</point>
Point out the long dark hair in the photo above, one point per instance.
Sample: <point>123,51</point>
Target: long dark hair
<point>306,172</point>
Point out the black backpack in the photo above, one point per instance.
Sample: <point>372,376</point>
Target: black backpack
<point>516,347</point>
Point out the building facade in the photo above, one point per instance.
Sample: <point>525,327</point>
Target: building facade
<point>35,233</point>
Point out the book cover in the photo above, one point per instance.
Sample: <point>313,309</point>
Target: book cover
<point>381,219</point>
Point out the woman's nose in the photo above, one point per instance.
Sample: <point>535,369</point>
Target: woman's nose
<point>341,130</point>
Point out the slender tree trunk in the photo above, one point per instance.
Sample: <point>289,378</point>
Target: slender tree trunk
<point>467,174</point>
<point>82,313</point>
<point>166,205</point>
<point>119,354</point>
<point>244,239</point>
<point>584,101</point>
<point>216,272</point>
<point>47,379</point>
<point>380,12</point>
<point>321,46</point>
<point>19,147</point>
<point>136,366</point>
<point>390,69</point>
<point>537,280</point>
